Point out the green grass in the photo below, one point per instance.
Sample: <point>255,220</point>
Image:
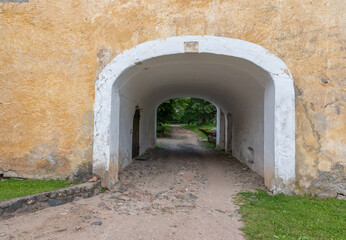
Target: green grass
<point>12,188</point>
<point>167,127</point>
<point>195,127</point>
<point>292,217</point>
<point>209,145</point>
<point>159,145</point>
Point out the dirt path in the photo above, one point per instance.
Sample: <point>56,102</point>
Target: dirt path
<point>182,192</point>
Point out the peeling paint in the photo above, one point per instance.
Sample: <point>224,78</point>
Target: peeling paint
<point>329,183</point>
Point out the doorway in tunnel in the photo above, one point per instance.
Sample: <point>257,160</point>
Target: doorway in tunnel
<point>251,89</point>
<point>135,134</point>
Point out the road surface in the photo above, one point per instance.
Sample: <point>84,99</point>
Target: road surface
<point>183,191</point>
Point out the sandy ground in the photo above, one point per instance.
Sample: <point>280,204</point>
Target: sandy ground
<point>183,191</point>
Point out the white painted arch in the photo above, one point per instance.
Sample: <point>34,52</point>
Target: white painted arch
<point>124,84</point>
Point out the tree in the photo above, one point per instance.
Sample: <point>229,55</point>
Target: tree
<point>166,111</point>
<point>198,110</point>
<point>185,110</point>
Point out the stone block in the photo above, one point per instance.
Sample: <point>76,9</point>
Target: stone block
<point>15,206</point>
<point>70,198</point>
<point>56,202</point>
<point>87,195</point>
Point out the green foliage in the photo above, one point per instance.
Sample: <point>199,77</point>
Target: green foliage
<point>159,145</point>
<point>166,111</point>
<point>162,130</point>
<point>292,217</point>
<point>208,145</point>
<point>164,127</point>
<point>12,188</point>
<point>198,111</point>
<point>186,110</point>
<point>195,128</point>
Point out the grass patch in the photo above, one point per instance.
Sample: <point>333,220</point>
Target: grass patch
<point>292,217</point>
<point>166,127</point>
<point>209,145</point>
<point>159,145</point>
<point>12,188</point>
<point>161,131</point>
<point>195,127</point>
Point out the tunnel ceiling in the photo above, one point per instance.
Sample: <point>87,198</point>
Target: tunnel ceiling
<point>226,81</point>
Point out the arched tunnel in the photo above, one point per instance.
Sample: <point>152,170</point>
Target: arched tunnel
<point>245,94</point>
<point>235,86</point>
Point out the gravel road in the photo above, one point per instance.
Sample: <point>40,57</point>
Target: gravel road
<point>183,191</point>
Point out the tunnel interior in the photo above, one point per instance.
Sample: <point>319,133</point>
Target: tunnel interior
<point>235,86</point>
<point>252,89</point>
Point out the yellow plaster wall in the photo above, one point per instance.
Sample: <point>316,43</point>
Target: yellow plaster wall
<point>52,51</point>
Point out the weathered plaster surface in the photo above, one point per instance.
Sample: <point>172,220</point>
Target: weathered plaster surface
<point>234,74</point>
<point>53,51</point>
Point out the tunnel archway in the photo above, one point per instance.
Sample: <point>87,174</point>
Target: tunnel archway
<point>243,79</point>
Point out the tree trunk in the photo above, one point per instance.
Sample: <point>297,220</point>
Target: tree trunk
<point>199,120</point>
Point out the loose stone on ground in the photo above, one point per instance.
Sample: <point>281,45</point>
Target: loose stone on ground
<point>181,185</point>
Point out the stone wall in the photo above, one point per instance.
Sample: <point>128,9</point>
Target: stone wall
<point>53,51</point>
<point>32,203</point>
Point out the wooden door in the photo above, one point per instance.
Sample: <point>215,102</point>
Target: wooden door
<point>135,134</point>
